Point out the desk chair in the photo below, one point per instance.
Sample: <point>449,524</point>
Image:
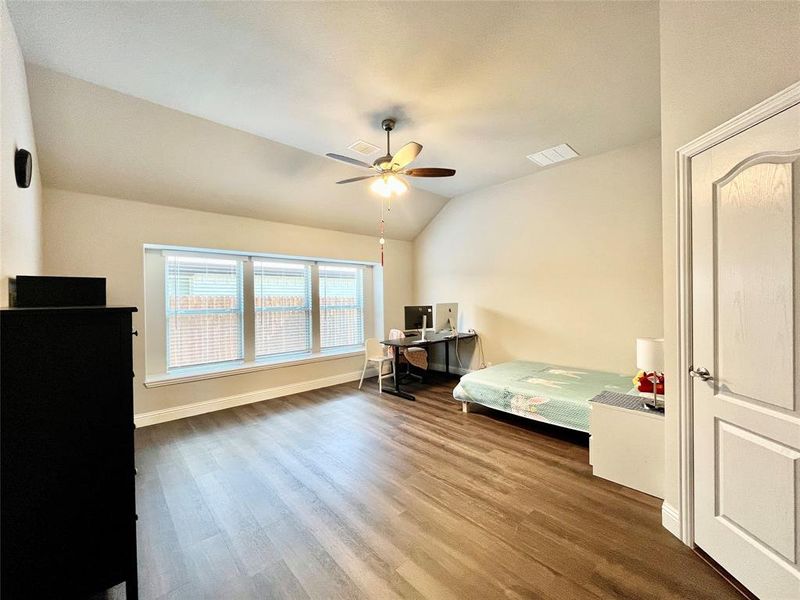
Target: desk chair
<point>375,352</point>
<point>417,357</point>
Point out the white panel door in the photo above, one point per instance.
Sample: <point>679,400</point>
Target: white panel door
<point>746,335</point>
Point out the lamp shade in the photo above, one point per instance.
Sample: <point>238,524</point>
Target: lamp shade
<point>650,354</point>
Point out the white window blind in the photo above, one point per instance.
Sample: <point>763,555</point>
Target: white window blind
<point>204,310</point>
<point>341,300</point>
<point>283,308</point>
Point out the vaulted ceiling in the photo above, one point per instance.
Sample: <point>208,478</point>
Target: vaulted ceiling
<point>95,140</point>
<point>479,84</point>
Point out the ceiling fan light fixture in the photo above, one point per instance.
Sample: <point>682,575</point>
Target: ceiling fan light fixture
<point>398,185</point>
<point>389,185</point>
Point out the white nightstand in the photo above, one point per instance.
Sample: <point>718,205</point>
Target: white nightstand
<point>627,443</point>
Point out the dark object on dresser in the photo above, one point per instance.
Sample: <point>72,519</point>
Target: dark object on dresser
<point>67,495</point>
<point>36,290</point>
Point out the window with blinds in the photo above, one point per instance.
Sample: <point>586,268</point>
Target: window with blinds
<point>283,308</point>
<point>219,311</point>
<point>341,302</point>
<point>203,310</point>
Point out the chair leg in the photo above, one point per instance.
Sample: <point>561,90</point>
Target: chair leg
<point>364,370</point>
<point>394,374</point>
<point>380,377</point>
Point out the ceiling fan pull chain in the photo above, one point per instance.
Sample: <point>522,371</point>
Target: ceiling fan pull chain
<point>382,240</point>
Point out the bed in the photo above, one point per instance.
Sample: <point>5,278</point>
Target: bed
<point>540,391</point>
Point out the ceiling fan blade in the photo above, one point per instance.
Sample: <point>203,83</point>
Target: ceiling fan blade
<point>352,179</point>
<point>430,172</point>
<point>347,159</point>
<point>405,155</point>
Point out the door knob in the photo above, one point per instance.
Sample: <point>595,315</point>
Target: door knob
<point>701,373</point>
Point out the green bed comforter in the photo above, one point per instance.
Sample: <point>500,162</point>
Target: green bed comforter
<point>544,392</point>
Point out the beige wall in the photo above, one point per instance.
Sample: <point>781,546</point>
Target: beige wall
<point>717,60</point>
<point>20,209</point>
<point>563,265</point>
<point>98,236</point>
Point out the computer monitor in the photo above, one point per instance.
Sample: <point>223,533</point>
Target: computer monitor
<point>414,316</point>
<point>446,316</point>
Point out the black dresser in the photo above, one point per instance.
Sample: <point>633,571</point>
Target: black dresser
<point>67,495</point>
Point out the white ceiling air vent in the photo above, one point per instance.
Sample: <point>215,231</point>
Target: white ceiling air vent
<point>363,148</point>
<point>552,155</point>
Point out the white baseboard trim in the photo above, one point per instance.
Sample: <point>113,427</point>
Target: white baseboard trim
<point>206,406</point>
<point>670,519</point>
<point>453,369</point>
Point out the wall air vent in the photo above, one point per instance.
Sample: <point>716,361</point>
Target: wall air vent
<point>363,148</point>
<point>552,155</point>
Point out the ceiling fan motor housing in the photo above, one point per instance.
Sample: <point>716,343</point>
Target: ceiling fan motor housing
<point>383,162</point>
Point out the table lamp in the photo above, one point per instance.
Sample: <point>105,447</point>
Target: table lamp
<point>650,359</point>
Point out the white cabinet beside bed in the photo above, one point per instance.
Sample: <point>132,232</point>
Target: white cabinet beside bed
<point>627,446</point>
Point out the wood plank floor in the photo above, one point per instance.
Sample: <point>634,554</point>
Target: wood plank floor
<point>341,493</point>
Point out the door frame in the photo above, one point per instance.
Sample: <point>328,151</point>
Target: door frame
<point>684,401</point>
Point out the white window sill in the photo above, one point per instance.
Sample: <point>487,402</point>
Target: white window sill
<point>196,374</point>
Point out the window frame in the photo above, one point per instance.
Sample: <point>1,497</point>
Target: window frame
<point>362,307</point>
<point>156,325</point>
<point>171,313</point>
<point>309,307</point>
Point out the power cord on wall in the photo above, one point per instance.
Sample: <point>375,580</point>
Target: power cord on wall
<point>458,358</point>
<point>482,364</point>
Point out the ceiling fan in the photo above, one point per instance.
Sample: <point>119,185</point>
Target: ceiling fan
<point>389,168</point>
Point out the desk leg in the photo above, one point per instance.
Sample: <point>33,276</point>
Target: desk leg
<point>447,357</point>
<point>397,391</point>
